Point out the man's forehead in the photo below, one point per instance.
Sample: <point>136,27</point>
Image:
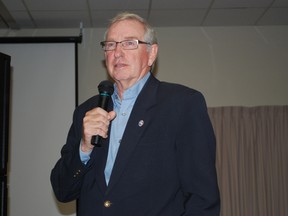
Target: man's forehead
<point>126,28</point>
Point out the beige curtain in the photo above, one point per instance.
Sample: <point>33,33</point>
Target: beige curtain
<point>252,159</point>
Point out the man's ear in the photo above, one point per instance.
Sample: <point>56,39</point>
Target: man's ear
<point>152,54</point>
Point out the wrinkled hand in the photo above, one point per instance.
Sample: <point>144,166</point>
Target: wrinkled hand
<point>95,122</point>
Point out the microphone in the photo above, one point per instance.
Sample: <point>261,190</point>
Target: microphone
<point>105,89</point>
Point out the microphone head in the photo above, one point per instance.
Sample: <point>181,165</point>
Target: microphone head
<point>106,87</point>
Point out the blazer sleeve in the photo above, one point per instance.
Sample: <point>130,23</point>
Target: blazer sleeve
<point>196,157</point>
<point>68,173</point>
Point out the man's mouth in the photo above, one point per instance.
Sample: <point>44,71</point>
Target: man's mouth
<point>120,65</point>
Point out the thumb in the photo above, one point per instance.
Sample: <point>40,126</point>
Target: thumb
<point>111,115</point>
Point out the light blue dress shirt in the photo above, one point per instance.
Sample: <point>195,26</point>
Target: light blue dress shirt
<point>123,110</point>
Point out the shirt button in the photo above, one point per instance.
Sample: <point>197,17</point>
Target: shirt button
<point>123,114</point>
<point>107,204</point>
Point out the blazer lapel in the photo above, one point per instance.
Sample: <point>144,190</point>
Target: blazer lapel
<point>99,158</point>
<point>136,126</point>
<point>98,163</point>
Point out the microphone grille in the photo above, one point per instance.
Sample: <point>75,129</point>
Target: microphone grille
<point>106,87</point>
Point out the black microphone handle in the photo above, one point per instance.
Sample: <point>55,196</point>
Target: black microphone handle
<point>95,140</point>
<point>103,103</point>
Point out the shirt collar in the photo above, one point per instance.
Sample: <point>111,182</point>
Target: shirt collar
<point>131,92</point>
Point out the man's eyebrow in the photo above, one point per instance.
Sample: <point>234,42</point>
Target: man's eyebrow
<point>125,38</point>
<point>129,38</point>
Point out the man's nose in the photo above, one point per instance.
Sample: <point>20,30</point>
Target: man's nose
<point>118,50</point>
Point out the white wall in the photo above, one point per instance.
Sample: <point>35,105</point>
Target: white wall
<point>245,66</point>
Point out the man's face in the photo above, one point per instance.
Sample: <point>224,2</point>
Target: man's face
<point>126,67</point>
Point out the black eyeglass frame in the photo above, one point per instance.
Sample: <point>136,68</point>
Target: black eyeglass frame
<point>102,43</point>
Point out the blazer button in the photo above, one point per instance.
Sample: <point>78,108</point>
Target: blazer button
<point>107,204</point>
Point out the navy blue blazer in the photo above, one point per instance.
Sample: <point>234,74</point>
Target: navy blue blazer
<point>165,165</point>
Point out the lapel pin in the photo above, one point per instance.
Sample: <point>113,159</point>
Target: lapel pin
<point>140,123</point>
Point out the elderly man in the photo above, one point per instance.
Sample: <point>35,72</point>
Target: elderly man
<point>157,154</point>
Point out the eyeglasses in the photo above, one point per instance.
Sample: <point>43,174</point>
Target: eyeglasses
<point>125,44</point>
